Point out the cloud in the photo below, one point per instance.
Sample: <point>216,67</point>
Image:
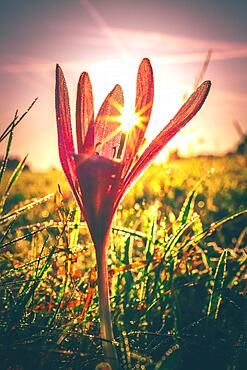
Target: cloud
<point>200,56</point>
<point>173,41</point>
<point>129,44</point>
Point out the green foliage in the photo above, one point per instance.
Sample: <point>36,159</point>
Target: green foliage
<point>177,272</point>
<point>219,277</point>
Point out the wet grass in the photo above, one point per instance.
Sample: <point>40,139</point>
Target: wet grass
<point>177,265</point>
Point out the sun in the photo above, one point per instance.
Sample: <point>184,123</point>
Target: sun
<point>128,118</point>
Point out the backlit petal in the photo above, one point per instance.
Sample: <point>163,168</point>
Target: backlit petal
<point>107,134</point>
<point>184,115</point>
<point>84,114</point>
<point>65,139</point>
<point>143,106</point>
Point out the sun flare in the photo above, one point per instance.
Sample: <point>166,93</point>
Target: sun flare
<point>128,118</point>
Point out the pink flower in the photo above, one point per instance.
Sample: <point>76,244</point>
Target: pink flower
<point>107,163</point>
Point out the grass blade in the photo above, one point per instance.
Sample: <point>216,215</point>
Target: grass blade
<point>18,170</point>
<point>21,238</point>
<point>12,215</point>
<point>215,225</point>
<point>75,229</point>
<point>15,175</point>
<point>5,160</point>
<point>219,277</point>
<point>175,238</point>
<point>16,121</point>
<point>187,210</point>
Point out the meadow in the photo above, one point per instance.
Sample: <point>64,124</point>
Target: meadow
<point>177,265</point>
<point>117,259</point>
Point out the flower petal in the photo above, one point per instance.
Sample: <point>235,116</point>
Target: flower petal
<point>143,106</point>
<point>65,139</point>
<point>184,115</point>
<point>84,114</point>
<point>107,134</point>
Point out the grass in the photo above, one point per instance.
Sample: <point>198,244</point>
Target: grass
<point>177,264</point>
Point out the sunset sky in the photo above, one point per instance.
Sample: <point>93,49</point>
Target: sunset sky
<point>108,39</point>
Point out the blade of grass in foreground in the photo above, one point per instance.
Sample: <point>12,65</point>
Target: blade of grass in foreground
<point>5,160</point>
<point>12,215</point>
<point>126,275</point>
<point>173,242</point>
<point>187,210</point>
<point>149,252</point>
<point>170,360</point>
<point>18,170</point>
<point>75,229</point>
<point>211,229</point>
<point>125,230</point>
<point>16,121</point>
<point>18,310</point>
<point>219,278</point>
<point>21,238</point>
<point>26,295</point>
<point>10,127</point>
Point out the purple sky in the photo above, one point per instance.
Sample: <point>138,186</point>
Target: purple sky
<point>108,39</point>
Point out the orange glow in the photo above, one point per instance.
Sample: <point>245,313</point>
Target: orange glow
<point>128,118</point>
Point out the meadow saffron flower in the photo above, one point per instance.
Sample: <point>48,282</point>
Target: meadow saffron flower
<point>109,159</point>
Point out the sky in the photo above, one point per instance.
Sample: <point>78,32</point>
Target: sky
<point>108,39</point>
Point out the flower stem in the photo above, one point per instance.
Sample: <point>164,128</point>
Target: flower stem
<point>106,331</point>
